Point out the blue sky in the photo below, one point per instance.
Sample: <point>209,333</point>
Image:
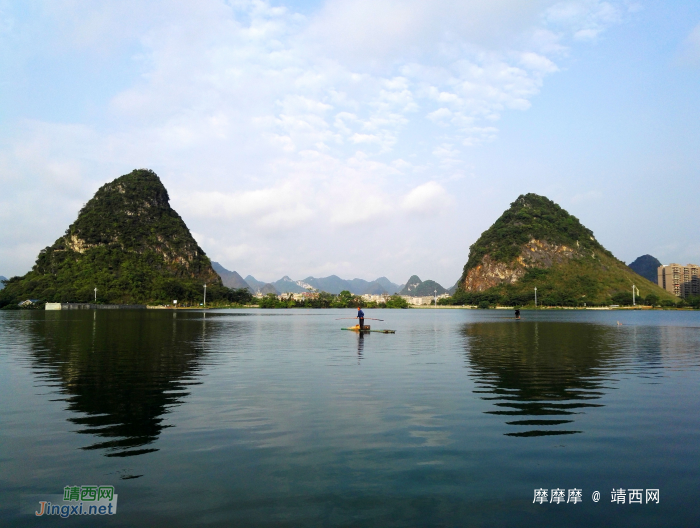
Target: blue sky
<point>358,138</point>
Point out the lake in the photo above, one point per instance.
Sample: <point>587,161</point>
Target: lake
<point>279,418</point>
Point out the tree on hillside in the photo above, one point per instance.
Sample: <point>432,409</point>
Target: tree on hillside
<point>651,300</point>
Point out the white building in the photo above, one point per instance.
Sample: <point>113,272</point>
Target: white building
<point>423,301</point>
<point>298,296</point>
<point>382,298</point>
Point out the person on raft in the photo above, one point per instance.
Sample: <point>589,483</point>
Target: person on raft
<point>517,314</point>
<point>361,317</point>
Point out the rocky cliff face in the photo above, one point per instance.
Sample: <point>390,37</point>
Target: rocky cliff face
<point>534,254</point>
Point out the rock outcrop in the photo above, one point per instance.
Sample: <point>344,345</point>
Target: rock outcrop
<point>534,254</point>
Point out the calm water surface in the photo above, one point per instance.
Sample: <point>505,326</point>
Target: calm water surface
<point>278,418</point>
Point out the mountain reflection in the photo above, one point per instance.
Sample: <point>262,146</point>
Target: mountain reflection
<point>541,374</point>
<point>120,371</point>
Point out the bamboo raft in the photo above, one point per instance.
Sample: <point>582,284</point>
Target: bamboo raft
<point>366,328</point>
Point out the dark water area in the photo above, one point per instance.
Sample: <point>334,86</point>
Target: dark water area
<point>278,418</point>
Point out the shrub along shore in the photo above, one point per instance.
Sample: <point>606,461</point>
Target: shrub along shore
<point>493,298</point>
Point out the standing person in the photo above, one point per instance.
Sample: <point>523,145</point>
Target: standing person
<point>517,313</point>
<point>361,317</point>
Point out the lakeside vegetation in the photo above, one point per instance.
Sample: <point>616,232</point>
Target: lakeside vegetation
<point>487,300</point>
<point>120,278</point>
<point>223,297</point>
<point>344,299</point>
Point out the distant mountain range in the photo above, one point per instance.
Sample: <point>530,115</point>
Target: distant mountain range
<point>287,285</point>
<point>335,284</point>
<point>231,279</point>
<point>418,288</point>
<point>646,266</point>
<point>254,284</point>
<point>332,284</point>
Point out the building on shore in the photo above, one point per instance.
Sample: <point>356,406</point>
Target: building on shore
<point>681,281</point>
<point>423,301</point>
<point>297,296</point>
<point>93,306</point>
<point>379,299</point>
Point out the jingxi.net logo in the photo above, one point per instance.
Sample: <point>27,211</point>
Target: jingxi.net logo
<point>76,500</point>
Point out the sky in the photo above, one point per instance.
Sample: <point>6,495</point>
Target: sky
<point>354,137</point>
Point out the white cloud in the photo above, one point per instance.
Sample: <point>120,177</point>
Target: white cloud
<point>586,19</point>
<point>426,199</point>
<point>263,122</point>
<point>448,155</point>
<point>440,115</point>
<point>278,208</point>
<point>538,62</point>
<point>359,206</point>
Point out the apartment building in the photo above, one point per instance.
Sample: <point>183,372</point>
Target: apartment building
<point>681,281</point>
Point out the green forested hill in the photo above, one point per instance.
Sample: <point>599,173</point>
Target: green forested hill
<point>537,244</point>
<point>128,243</point>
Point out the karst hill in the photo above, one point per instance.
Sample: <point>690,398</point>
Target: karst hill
<point>536,243</point>
<point>129,244</point>
<point>418,288</point>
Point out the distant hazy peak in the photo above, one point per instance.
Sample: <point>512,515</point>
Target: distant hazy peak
<point>418,288</point>
<point>646,266</point>
<point>411,285</point>
<point>268,288</point>
<point>231,279</point>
